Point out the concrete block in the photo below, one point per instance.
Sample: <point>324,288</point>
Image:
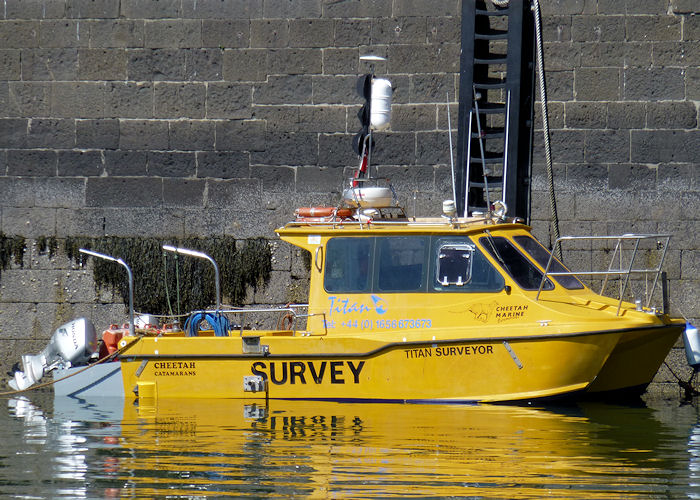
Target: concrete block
<point>678,177</point>
<point>419,8</point>
<point>268,33</point>
<point>169,33</point>
<point>424,58</point>
<point>225,33</point>
<point>567,146</point>
<point>399,30</point>
<point>17,191</point>
<point>15,34</point>
<point>59,192</point>
<point>395,149</point>
<point>275,179</point>
<point>598,28</point>
<point>671,115</point>
<point>155,222</point>
<point>10,67</point>
<point>143,134</point>
<point>31,162</point>
<point>229,100</point>
<point>335,90</point>
<point>34,9</point>
<point>321,118</point>
<point>653,84</point>
<point>562,56</point>
<point>406,179</point>
<point>431,88</point>
<point>560,85</point>
<point>585,114</point>
<point>80,163</point>
<point>97,134</point>
<point>25,99</point>
<point>626,115</point>
<point>432,148</point>
<point>204,64</point>
<point>29,222</point>
<point>51,133</point>
<point>63,33</point>
<point>358,9</point>
<point>223,165</point>
<point>295,148</point>
<point>78,99</point>
<point>179,100</point>
<point>607,146</point>
<point>692,83</point>
<point>340,61</point>
<point>125,163</point>
<point>169,164</point>
<point>128,192</point>
<point>191,135</point>
<point>335,150</point>
<point>129,100</point>
<point>276,291</point>
<point>150,9</point>
<point>79,222</point>
<point>316,33</point>
<point>597,84</point>
<point>183,192</point>
<point>351,32</point>
<point>661,146</point>
<point>685,7</point>
<point>245,65</point>
<point>240,135</point>
<point>102,64</point>
<point>292,89</point>
<point>87,9</point>
<point>646,6</point>
<point>155,64</point>
<point>632,177</point>
<point>319,179</point>
<point>239,194</point>
<point>648,28</point>
<point>216,9</point>
<point>681,54</point>
<point>556,28</point>
<point>125,33</point>
<point>294,61</point>
<point>13,132</point>
<point>443,29</point>
<point>284,9</point>
<point>586,177</point>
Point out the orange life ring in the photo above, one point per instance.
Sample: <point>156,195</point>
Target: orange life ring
<point>322,212</point>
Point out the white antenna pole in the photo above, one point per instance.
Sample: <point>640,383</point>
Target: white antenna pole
<point>452,160</point>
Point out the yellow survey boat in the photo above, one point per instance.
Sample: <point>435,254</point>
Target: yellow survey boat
<point>445,309</point>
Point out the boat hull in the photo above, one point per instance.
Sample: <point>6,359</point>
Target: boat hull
<point>99,380</point>
<point>477,370</point>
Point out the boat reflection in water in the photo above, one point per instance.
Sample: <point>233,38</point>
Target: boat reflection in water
<point>186,448</point>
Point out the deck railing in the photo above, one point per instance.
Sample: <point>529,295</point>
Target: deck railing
<point>623,271</point>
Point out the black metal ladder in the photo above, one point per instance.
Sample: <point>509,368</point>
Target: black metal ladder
<point>496,96</point>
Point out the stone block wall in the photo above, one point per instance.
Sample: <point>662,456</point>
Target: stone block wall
<point>176,118</point>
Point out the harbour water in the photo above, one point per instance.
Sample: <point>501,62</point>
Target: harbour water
<point>212,448</point>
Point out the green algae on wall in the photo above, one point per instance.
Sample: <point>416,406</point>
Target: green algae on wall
<point>166,283</point>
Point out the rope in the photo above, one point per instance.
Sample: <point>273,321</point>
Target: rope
<point>545,126</point>
<point>52,382</point>
<point>218,322</point>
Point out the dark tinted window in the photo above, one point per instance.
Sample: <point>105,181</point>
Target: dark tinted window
<point>461,267</point>
<point>348,265</point>
<point>525,274</point>
<point>540,254</point>
<point>402,261</point>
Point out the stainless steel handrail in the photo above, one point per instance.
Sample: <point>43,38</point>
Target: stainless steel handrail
<point>611,272</point>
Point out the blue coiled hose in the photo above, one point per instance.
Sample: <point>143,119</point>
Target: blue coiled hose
<point>218,322</point>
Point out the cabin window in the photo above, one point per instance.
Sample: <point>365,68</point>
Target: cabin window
<point>541,255</point>
<point>523,272</point>
<point>402,263</point>
<point>461,267</point>
<point>348,265</point>
<point>454,265</point>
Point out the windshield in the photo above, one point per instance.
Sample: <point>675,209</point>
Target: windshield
<point>540,254</point>
<point>523,272</point>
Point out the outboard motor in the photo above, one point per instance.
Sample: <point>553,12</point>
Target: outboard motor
<point>71,344</point>
<point>691,340</point>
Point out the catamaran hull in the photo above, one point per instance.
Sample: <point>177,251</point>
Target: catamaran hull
<point>484,370</point>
